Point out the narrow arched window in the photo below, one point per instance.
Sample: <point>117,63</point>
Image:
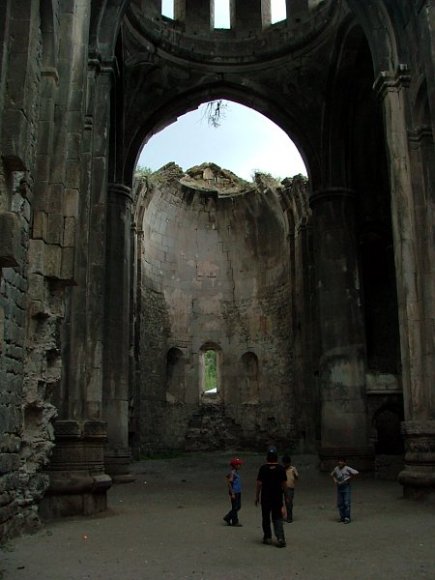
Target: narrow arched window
<point>278,10</point>
<point>221,16</point>
<point>168,8</point>
<point>210,370</point>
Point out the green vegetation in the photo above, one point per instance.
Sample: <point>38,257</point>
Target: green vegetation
<point>210,371</point>
<point>142,171</point>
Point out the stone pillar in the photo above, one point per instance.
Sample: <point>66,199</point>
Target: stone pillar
<point>414,290</point>
<point>344,429</point>
<point>250,14</point>
<point>78,484</point>
<point>117,331</point>
<point>196,14</point>
<point>296,10</point>
<point>152,8</point>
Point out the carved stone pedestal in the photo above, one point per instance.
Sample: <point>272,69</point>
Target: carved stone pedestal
<point>78,483</point>
<point>418,477</point>
<point>117,464</point>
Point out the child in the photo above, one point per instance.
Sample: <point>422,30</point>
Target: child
<point>292,477</point>
<point>235,491</point>
<point>342,474</point>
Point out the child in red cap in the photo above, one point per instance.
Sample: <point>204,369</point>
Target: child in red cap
<point>235,491</point>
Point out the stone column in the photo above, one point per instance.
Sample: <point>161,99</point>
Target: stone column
<point>250,14</point>
<point>152,8</point>
<point>196,14</point>
<point>117,331</point>
<point>78,484</point>
<point>78,186</point>
<point>296,10</point>
<point>414,290</point>
<point>344,428</point>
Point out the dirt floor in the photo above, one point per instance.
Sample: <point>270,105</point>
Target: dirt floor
<point>168,525</point>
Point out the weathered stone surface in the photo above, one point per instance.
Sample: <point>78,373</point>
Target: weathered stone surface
<point>10,239</point>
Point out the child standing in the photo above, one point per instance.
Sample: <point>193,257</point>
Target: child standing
<point>235,492</point>
<point>342,474</point>
<point>292,477</point>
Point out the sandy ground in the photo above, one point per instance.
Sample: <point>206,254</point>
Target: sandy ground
<point>168,525</point>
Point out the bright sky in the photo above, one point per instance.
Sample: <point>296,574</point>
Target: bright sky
<point>244,142</point>
<point>222,11</point>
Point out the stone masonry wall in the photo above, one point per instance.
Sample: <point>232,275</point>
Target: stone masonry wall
<point>30,304</point>
<point>215,273</point>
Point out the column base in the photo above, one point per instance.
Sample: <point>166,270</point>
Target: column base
<point>117,464</point>
<point>360,458</point>
<point>418,476</point>
<point>78,484</point>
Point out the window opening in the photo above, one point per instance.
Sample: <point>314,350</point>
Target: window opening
<point>278,10</point>
<point>210,372</point>
<point>168,9</point>
<point>222,14</point>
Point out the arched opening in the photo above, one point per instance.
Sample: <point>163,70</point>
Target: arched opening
<point>250,378</point>
<point>209,371</point>
<point>168,9</point>
<point>214,261</point>
<point>175,377</point>
<point>231,135</point>
<point>222,17</point>
<point>278,10</point>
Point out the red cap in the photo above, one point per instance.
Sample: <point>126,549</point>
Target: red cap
<point>236,461</point>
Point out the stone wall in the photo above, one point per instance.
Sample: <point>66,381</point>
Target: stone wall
<point>215,274</point>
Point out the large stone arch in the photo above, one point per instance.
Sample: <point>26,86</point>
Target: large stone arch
<point>380,32</point>
<point>288,121</point>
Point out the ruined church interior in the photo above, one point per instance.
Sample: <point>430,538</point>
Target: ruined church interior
<point>312,299</point>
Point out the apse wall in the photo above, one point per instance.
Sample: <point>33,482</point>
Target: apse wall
<point>215,274</point>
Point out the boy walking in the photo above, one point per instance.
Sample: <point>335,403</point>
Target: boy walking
<point>292,477</point>
<point>235,492</point>
<point>342,475</point>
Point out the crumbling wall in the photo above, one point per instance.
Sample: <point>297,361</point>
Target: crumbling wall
<point>30,304</point>
<point>25,413</point>
<point>215,273</point>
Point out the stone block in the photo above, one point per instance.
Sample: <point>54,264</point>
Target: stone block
<point>55,226</point>
<point>10,239</point>
<point>14,136</point>
<point>9,462</point>
<point>9,443</point>
<point>69,231</point>
<point>39,225</point>
<point>52,260</point>
<point>67,267</point>
<point>73,174</point>
<point>10,419</point>
<point>71,203</point>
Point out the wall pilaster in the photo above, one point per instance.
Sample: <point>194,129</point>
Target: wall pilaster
<point>117,330</point>
<point>414,287</point>
<point>344,428</point>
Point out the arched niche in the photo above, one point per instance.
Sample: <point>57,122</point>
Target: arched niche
<point>386,422</point>
<point>250,382</point>
<point>175,375</point>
